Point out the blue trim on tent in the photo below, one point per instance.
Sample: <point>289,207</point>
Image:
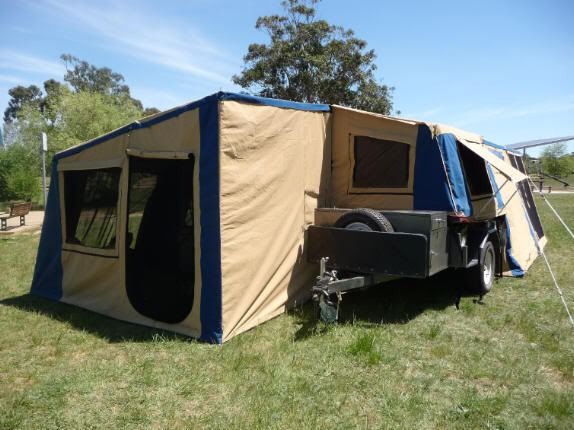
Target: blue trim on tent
<point>495,188</point>
<point>190,106</point>
<point>48,274</point>
<point>274,102</point>
<point>430,190</point>
<point>494,145</point>
<point>210,240</point>
<point>449,151</point>
<point>497,153</point>
<point>515,268</point>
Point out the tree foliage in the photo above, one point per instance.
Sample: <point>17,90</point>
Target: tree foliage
<point>19,178</point>
<point>92,101</point>
<point>310,60</point>
<point>83,76</point>
<point>555,161</point>
<point>19,97</point>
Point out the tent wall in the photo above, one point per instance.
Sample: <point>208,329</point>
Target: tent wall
<point>523,246</point>
<point>91,279</point>
<point>261,169</point>
<point>348,123</point>
<point>274,172</point>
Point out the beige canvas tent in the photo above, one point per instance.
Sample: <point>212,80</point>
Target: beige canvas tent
<point>194,220</point>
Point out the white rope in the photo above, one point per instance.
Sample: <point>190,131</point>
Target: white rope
<point>546,259</point>
<point>558,216</point>
<point>558,288</point>
<point>549,205</point>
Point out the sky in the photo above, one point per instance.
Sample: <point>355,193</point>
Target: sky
<point>502,69</point>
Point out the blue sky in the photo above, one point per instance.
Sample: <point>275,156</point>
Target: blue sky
<point>503,69</point>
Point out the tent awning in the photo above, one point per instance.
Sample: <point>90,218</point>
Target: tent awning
<point>515,175</point>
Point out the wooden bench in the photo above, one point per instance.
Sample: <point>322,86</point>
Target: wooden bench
<point>16,209</point>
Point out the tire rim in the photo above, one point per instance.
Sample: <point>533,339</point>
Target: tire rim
<point>488,267</point>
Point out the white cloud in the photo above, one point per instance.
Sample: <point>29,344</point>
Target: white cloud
<point>490,113</point>
<point>176,47</point>
<point>12,60</point>
<point>12,79</point>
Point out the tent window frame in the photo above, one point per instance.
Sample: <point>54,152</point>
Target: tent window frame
<point>472,184</point>
<point>78,247</point>
<point>352,189</point>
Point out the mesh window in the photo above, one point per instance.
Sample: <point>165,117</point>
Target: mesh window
<point>474,171</point>
<point>91,199</point>
<point>526,193</point>
<point>380,163</point>
<point>160,253</point>
<point>142,185</point>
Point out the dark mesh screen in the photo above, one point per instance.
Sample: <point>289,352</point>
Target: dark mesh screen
<point>91,199</point>
<point>526,194</point>
<point>380,163</point>
<point>474,171</point>
<point>160,254</point>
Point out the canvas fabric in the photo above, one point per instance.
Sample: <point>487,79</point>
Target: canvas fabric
<point>274,173</point>
<point>98,283</point>
<point>272,165</point>
<point>350,122</point>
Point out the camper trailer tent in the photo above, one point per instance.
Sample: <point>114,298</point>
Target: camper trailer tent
<point>195,220</point>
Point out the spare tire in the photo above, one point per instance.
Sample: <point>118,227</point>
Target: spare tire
<point>364,220</point>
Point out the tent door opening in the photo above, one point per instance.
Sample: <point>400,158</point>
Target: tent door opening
<point>160,254</point>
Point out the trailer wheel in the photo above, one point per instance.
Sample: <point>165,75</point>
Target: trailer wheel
<point>364,220</point>
<point>481,277</point>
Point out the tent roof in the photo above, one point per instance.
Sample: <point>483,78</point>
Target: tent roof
<point>165,115</point>
<point>437,129</point>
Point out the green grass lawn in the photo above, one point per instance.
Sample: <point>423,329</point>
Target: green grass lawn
<point>403,357</point>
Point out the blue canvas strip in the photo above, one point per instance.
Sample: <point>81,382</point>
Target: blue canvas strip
<point>449,152</point>
<point>47,281</point>
<point>211,301</point>
<point>430,189</point>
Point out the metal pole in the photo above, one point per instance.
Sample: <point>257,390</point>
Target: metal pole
<point>44,149</point>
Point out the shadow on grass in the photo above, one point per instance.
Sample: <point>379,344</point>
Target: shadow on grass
<point>396,302</point>
<point>105,327</point>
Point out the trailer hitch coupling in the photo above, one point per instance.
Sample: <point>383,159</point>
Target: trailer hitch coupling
<point>327,301</point>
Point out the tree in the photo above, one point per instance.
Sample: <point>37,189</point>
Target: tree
<point>79,116</point>
<point>19,178</point>
<point>309,60</point>
<point>97,102</point>
<point>555,161</point>
<point>21,96</point>
<point>83,76</point>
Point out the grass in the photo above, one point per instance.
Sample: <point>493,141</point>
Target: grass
<point>403,357</point>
